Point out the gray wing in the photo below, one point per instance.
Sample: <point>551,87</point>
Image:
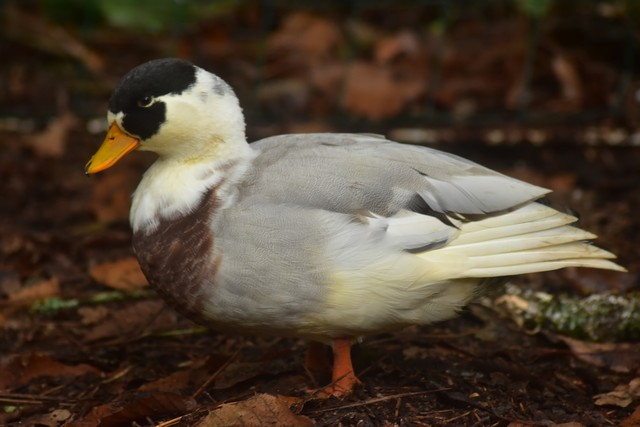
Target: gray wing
<point>352,173</point>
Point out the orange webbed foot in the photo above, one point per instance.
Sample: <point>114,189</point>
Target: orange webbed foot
<point>343,377</point>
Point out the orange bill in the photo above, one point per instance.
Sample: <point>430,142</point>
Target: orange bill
<point>116,144</point>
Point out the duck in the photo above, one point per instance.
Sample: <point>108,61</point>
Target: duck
<point>328,237</point>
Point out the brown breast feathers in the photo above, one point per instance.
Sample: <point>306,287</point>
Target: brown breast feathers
<point>177,257</point>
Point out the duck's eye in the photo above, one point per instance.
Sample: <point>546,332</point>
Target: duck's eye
<point>146,101</point>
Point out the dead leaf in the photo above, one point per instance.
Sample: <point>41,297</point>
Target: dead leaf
<point>136,318</point>
<point>12,243</point>
<point>403,43</point>
<point>52,142</point>
<point>238,372</point>
<point>259,410</point>
<point>111,196</point>
<point>176,382</point>
<point>52,419</point>
<point>632,420</point>
<point>569,424</point>
<point>550,424</point>
<point>622,396</point>
<point>567,74</point>
<point>179,381</point>
<point>327,77</point>
<point>619,357</point>
<point>142,407</point>
<point>376,93</point>
<point>27,295</point>
<point>307,35</point>
<point>18,369</point>
<point>93,315</point>
<point>124,274</point>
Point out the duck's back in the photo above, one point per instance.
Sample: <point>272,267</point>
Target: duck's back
<point>354,173</point>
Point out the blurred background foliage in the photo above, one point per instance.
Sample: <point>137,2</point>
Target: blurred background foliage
<point>365,65</point>
<point>157,16</point>
<point>150,16</point>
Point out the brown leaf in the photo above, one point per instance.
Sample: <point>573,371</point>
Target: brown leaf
<point>142,407</point>
<point>567,74</point>
<point>238,372</point>
<point>27,295</point>
<point>632,420</point>
<point>622,396</point>
<point>18,369</point>
<point>52,419</point>
<point>93,315</point>
<point>53,140</point>
<point>259,410</point>
<point>374,92</point>
<point>529,424</point>
<point>327,77</point>
<point>403,43</point>
<point>124,274</point>
<point>176,382</point>
<point>139,317</point>
<point>111,197</point>
<point>307,34</point>
<point>619,357</point>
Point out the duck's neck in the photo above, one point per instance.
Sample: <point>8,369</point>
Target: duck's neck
<point>172,187</point>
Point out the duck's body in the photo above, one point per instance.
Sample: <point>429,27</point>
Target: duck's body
<point>323,236</point>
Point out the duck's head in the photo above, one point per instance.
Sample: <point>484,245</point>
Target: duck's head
<point>173,108</point>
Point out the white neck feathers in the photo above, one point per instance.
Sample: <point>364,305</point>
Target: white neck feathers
<point>171,189</point>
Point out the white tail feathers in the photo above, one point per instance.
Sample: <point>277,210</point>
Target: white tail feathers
<point>531,239</point>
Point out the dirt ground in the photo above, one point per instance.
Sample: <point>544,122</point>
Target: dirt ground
<point>85,342</point>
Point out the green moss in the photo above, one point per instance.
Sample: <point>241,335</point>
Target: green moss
<point>597,317</point>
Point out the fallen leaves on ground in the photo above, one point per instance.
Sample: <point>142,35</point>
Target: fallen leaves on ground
<point>619,357</point>
<point>257,411</point>
<point>29,293</point>
<point>124,274</point>
<point>623,395</point>
<point>632,420</point>
<point>303,38</point>
<point>17,370</point>
<point>377,92</point>
<point>111,197</point>
<point>132,409</point>
<point>54,418</point>
<point>138,318</point>
<point>52,142</point>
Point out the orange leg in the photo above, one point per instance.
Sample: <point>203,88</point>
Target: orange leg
<point>343,378</point>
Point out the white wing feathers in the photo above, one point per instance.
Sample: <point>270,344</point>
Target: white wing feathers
<point>412,231</point>
<point>531,239</point>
